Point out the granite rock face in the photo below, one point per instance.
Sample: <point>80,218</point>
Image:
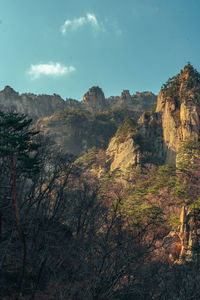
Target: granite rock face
<point>94,99</point>
<point>179,106</point>
<point>160,133</point>
<point>142,145</point>
<point>122,155</point>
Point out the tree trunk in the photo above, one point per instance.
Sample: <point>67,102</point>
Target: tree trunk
<point>16,212</point>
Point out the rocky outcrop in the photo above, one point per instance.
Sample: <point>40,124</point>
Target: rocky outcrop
<point>171,131</point>
<point>180,245</point>
<point>122,155</point>
<point>178,124</point>
<point>94,99</point>
<point>138,102</point>
<point>143,143</point>
<point>160,133</point>
<point>125,97</point>
<point>39,106</point>
<point>179,105</point>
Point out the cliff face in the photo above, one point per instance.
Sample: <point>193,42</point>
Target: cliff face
<point>122,155</point>
<point>160,133</point>
<point>138,145</point>
<point>179,105</point>
<point>94,99</point>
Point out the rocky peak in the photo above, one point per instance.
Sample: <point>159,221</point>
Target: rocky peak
<point>94,99</point>
<point>179,105</point>
<point>189,71</point>
<point>182,87</point>
<point>125,95</point>
<point>9,92</point>
<point>159,134</point>
<point>95,93</point>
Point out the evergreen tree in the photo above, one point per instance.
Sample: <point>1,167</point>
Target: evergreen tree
<point>17,147</point>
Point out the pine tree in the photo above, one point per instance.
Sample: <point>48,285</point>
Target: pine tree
<point>18,148</point>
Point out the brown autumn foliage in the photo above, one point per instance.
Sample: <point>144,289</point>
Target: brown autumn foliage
<point>91,239</point>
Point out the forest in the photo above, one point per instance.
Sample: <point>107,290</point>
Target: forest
<point>65,233</point>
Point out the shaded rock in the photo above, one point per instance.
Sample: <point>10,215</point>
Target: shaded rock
<point>94,99</point>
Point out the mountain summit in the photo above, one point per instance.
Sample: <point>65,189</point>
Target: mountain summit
<point>157,136</point>
<point>179,105</point>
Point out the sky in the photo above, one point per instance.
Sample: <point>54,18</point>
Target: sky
<point>67,46</point>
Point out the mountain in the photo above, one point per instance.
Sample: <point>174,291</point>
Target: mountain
<point>76,126</point>
<point>157,159</point>
<point>77,131</point>
<point>30,104</point>
<point>179,106</point>
<point>92,122</point>
<point>158,134</point>
<point>95,100</point>
<point>125,214</point>
<point>38,106</point>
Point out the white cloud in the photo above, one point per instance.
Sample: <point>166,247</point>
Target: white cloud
<point>50,69</point>
<point>91,18</point>
<point>76,23</point>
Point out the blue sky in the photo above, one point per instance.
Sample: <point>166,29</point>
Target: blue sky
<point>67,46</point>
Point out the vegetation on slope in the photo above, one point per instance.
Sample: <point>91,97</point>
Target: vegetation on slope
<point>84,129</point>
<point>99,238</point>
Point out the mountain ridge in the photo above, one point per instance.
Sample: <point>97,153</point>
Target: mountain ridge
<point>93,100</point>
<point>158,133</point>
<point>76,126</point>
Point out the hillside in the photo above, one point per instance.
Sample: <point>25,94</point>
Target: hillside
<point>157,158</point>
<point>105,202</point>
<point>77,126</point>
<point>157,135</point>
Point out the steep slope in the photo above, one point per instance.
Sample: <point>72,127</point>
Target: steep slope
<point>179,105</point>
<point>77,131</point>
<point>159,134</point>
<point>137,144</point>
<point>143,157</point>
<point>94,100</point>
